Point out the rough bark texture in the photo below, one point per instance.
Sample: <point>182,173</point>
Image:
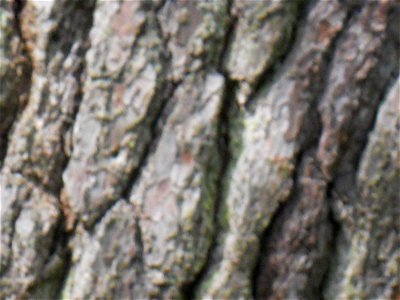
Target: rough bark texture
<point>229,149</point>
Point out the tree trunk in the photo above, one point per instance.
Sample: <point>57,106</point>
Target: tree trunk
<point>171,149</point>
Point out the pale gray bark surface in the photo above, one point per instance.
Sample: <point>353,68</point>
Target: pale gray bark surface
<point>229,149</point>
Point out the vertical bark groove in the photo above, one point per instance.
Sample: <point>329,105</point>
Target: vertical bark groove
<point>225,156</point>
<point>16,72</point>
<point>190,289</point>
<point>271,73</point>
<point>173,149</point>
<point>266,275</point>
<point>333,194</point>
<point>49,249</point>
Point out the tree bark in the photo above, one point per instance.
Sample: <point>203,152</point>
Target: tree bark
<point>230,149</point>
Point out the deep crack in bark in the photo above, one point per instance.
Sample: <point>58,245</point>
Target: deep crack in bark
<point>332,194</point>
<point>306,150</point>
<point>224,149</point>
<point>168,89</point>
<point>22,61</point>
<point>227,157</point>
<point>223,142</point>
<point>269,74</point>
<point>62,236</point>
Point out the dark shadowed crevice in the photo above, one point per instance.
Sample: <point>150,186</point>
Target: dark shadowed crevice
<point>139,244</point>
<point>64,273</point>
<point>78,74</point>
<point>127,185</point>
<point>277,221</point>
<point>332,244</point>
<point>21,87</point>
<point>156,118</point>
<point>68,124</point>
<point>228,110</point>
<point>60,244</point>
<point>156,126</point>
<point>57,264</point>
<point>284,212</point>
<point>308,144</point>
<point>334,225</point>
<point>5,264</point>
<point>64,235</point>
<point>159,6</point>
<point>18,6</point>
<point>156,130</point>
<point>74,15</point>
<point>335,188</point>
<point>155,134</point>
<point>16,93</point>
<point>333,192</point>
<point>232,22</point>
<point>270,74</point>
<point>229,113</point>
<point>382,95</point>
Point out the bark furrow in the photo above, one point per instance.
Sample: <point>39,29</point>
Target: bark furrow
<point>15,70</point>
<point>32,216</point>
<point>175,149</point>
